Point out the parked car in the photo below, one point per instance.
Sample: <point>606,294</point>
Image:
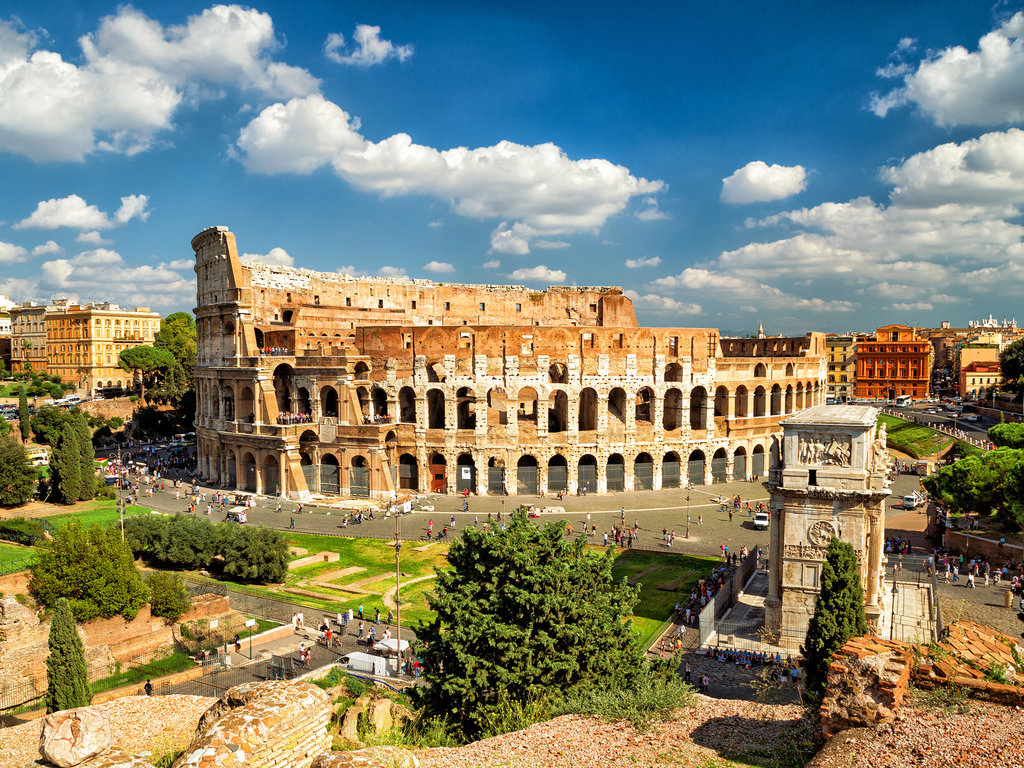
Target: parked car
<point>761,521</point>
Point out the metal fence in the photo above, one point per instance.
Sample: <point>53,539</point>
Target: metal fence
<point>18,693</point>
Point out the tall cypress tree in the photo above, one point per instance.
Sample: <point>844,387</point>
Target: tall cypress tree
<point>838,613</point>
<point>23,418</point>
<point>66,465</point>
<point>67,676</point>
<point>87,458</point>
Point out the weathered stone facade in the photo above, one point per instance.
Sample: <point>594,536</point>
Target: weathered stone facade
<point>828,478</point>
<point>409,385</point>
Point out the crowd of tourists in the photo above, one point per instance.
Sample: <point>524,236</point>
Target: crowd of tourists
<point>703,591</point>
<point>278,351</point>
<point>289,417</point>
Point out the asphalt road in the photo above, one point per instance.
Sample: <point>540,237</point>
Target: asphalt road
<point>976,429</point>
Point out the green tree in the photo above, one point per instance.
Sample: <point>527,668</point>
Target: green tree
<point>838,613</point>
<point>93,569</point>
<point>1011,363</point>
<point>1008,435</point>
<point>177,335</point>
<point>66,465</point>
<point>18,478</point>
<point>67,676</point>
<point>524,614</point>
<point>169,597</point>
<point>145,363</point>
<point>87,458</point>
<point>5,427</point>
<point>171,387</point>
<point>23,417</point>
<point>982,485</point>
<point>48,423</point>
<point>254,554</point>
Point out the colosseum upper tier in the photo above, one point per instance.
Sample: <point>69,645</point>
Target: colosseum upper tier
<point>322,384</point>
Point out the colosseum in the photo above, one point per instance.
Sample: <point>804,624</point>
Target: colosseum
<point>317,384</point>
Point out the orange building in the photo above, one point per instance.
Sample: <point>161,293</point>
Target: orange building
<point>897,361</point>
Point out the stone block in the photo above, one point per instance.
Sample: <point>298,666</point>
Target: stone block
<point>373,757</point>
<point>73,736</point>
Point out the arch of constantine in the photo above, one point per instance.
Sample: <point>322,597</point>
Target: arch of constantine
<point>313,383</point>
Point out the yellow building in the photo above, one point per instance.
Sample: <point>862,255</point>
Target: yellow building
<point>842,366</point>
<point>28,337</point>
<point>84,342</point>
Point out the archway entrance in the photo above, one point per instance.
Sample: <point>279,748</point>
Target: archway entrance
<point>408,473</point>
<point>329,480</point>
<point>757,461</point>
<point>587,474</point>
<point>526,475</point>
<point>438,473</point>
<point>670,470</point>
<point>495,477</point>
<point>695,468</point>
<point>249,473</point>
<point>359,478</point>
<point>739,464</point>
<point>271,477</point>
<point>720,466</point>
<point>558,474</point>
<point>466,468</point>
<point>643,472</point>
<point>616,473</point>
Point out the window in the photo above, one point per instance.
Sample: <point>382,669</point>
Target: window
<point>414,305</point>
<point>380,303</point>
<point>316,300</point>
<point>519,307</point>
<point>447,306</point>
<point>288,296</point>
<point>593,307</point>
<point>483,306</point>
<point>348,301</point>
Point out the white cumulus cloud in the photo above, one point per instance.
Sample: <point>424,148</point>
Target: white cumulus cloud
<point>438,267</point>
<point>537,274</point>
<point>956,86</point>
<point>370,48</point>
<point>87,275</point>
<point>650,261</point>
<point>72,211</point>
<point>11,253</point>
<point>277,257</point>
<point>656,303</point>
<point>49,248</point>
<point>758,182</point>
<point>92,237</point>
<point>492,264</point>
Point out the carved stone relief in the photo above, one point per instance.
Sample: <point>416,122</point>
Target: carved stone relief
<point>821,533</point>
<point>824,450</point>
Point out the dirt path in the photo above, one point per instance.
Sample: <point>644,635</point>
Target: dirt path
<point>388,597</point>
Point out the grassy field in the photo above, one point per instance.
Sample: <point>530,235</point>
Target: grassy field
<point>98,512</point>
<point>11,552</point>
<point>915,439</point>
<point>176,662</point>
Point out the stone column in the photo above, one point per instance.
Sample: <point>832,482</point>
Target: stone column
<point>282,473</point>
<point>775,556</point>
<point>874,555</point>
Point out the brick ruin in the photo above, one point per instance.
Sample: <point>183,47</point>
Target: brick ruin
<point>322,383</point>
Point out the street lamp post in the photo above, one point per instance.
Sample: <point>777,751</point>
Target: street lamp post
<point>892,623</point>
<point>687,514</point>
<point>398,589</point>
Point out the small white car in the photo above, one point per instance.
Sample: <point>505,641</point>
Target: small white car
<point>761,521</point>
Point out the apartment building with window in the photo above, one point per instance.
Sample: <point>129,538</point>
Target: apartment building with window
<point>842,367</point>
<point>896,361</point>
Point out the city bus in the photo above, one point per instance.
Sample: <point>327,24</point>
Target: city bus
<point>903,400</point>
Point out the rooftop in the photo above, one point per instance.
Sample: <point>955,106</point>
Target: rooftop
<point>861,415</point>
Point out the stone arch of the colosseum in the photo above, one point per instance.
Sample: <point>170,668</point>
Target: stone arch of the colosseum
<point>379,403</point>
<point>408,473</point>
<point>330,474</point>
<point>776,400</point>
<point>407,405</point>
<point>258,336</point>
<point>558,474</point>
<point>760,371</point>
<point>588,415</point>
<point>359,476</point>
<point>363,399</point>
<point>789,370</point>
<point>361,372</point>
<point>303,403</point>
<point>435,409</point>
<point>720,466</point>
<point>527,475</point>
<point>558,373</point>
<point>643,472</point>
<point>497,407</point>
<point>670,466</point>
<point>616,411</point>
<point>757,462</point>
<point>228,339</point>
<point>788,401</point>
<point>615,473</point>
<point>672,415</point>
<point>527,406</point>
<point>496,476</point>
<point>249,479</point>
<point>437,465</point>
<point>247,405</point>
<point>284,387</point>
<point>809,394</point>
<point>228,403</point>
<point>644,409</point>
<point>695,467</point>
<point>465,469</point>
<point>741,402</point>
<point>721,403</point>
<point>329,401</point>
<point>436,372</point>
<point>760,402</point>
<point>698,408</point>
<point>558,411</point>
<point>465,409</point>
<point>799,396</point>
<point>272,480</point>
<point>739,463</point>
<point>586,473</point>
<point>674,372</point>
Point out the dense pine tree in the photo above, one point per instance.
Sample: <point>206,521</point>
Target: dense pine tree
<point>87,458</point>
<point>67,678</point>
<point>66,465</point>
<point>18,478</point>
<point>23,417</point>
<point>838,613</point>
<point>524,613</point>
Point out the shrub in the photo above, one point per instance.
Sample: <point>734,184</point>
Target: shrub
<point>18,478</point>
<point>169,598</point>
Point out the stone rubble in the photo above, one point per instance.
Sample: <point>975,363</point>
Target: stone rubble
<point>73,736</point>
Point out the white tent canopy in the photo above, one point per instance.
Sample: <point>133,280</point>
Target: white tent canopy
<point>391,644</point>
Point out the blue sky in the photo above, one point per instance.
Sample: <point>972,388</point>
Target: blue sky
<point>803,165</point>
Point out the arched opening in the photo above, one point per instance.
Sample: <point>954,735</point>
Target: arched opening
<point>789,369</point>
<point>720,466</point>
<point>408,473</point>
<point>466,473</point>
<point>558,411</point>
<point>435,372</point>
<point>695,468</point>
<point>309,436</point>
<point>271,477</point>
<point>760,371</point>
<point>229,339</point>
<point>740,398</point>
<point>438,472</point>
<point>284,386</point>
<point>672,418</point>
<point>359,478</point>
<point>287,316</point>
<point>616,409</point>
<point>558,374</point>
<point>644,408</point>
<point>527,406</point>
<point>380,404</point>
<point>435,409</point>
<point>247,406</point>
<point>670,470</point>
<point>497,407</point>
<point>465,408</point>
<point>526,475</point>
<point>776,399</point>
<point>757,461</point>
<point>698,408</point>
<point>558,474</point>
<point>229,403</point>
<point>788,403</point>
<point>643,472</point>
<point>586,474</point>
<point>302,401</point>
<point>258,334</point>
<point>587,421</point>
<point>496,476</point>
<point>760,402</point>
<point>407,405</point>
<point>248,479</point>
<point>799,395</point>
<point>722,403</point>
<point>363,397</point>
<point>739,464</point>
<point>673,372</point>
<point>361,371</point>
<point>330,475</point>
<point>329,401</point>
<point>615,473</point>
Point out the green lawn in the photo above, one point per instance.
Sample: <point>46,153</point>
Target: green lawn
<point>176,662</point>
<point>98,512</point>
<point>915,439</point>
<point>11,552</point>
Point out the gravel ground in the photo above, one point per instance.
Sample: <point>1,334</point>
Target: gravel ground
<point>711,731</point>
<point>156,724</point>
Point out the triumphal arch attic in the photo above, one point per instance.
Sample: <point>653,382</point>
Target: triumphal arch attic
<point>314,383</point>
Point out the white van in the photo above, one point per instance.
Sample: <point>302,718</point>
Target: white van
<point>913,501</point>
